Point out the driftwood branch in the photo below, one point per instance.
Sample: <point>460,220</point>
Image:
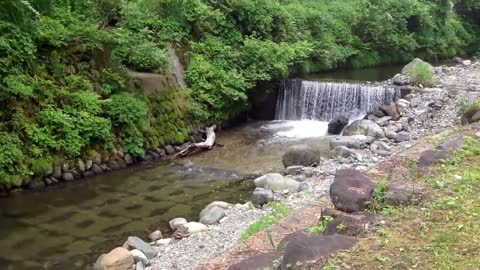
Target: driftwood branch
<point>194,147</point>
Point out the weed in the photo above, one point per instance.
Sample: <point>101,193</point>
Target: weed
<point>279,211</point>
<point>320,228</point>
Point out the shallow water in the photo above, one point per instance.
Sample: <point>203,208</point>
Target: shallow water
<point>68,226</point>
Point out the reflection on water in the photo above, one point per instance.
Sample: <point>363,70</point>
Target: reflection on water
<point>68,226</point>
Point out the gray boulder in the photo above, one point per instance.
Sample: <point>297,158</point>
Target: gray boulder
<point>134,242</point>
<point>345,152</point>
<point>364,127</point>
<point>351,190</point>
<point>112,164</point>
<point>336,125</point>
<point>261,196</point>
<point>67,177</point>
<point>169,149</point>
<point>97,169</point>
<point>177,222</point>
<point>405,192</point>
<point>301,155</point>
<point>211,215</point>
<point>430,158</point>
<point>452,144</point>
<point>282,185</point>
<point>354,141</point>
<point>413,64</point>
<point>260,181</point>
<point>403,136</point>
<point>383,121</point>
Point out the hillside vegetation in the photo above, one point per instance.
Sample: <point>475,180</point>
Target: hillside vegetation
<point>63,64</point>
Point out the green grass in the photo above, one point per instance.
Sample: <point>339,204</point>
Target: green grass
<point>279,211</point>
<point>442,234</point>
<point>320,228</point>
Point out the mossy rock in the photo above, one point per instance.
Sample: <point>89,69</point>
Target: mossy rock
<point>472,115</point>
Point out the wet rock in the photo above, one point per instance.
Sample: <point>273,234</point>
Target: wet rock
<point>301,155</point>
<point>154,236</point>
<point>76,173</point>
<point>195,227</point>
<point>67,177</point>
<point>260,181</point>
<point>117,259</point>
<point>97,169</point>
<point>138,256</point>
<point>65,167</point>
<point>258,262</point>
<point>303,248</point>
<point>88,164</point>
<point>401,80</point>
<point>364,127</point>
<point>262,196</point>
<point>405,192</point>
<point>161,152</point>
<point>105,168</point>
<point>283,185</point>
<point>391,110</point>
<point>354,141</point>
<point>134,242</point>
<point>351,190</point>
<point>57,172</point>
<point>452,144</point>
<point>177,222</point>
<point>112,164</point>
<point>357,224</point>
<point>139,266</point>
<point>430,158</point>
<point>81,165</point>
<point>48,181</point>
<point>36,184</point>
<point>88,174</point>
<point>336,125</point>
<point>169,149</point>
<point>128,159</point>
<point>211,215</point>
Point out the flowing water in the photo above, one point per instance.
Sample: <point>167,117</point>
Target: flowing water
<point>67,226</point>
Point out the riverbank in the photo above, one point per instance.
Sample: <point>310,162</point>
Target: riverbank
<point>430,111</point>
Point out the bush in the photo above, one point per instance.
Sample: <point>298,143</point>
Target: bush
<point>421,74</point>
<point>11,155</point>
<point>148,57</point>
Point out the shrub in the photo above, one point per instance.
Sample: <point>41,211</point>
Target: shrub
<point>148,57</point>
<point>11,155</point>
<point>422,74</point>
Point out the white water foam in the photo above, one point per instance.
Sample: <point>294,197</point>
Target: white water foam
<point>301,129</point>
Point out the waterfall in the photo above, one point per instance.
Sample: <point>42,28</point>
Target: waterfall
<point>299,99</point>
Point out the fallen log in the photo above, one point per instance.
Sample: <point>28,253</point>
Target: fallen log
<point>194,147</point>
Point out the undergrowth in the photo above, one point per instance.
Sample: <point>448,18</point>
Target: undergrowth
<point>279,211</point>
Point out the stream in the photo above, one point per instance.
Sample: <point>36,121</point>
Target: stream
<point>67,226</point>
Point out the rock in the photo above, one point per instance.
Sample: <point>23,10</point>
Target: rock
<point>299,178</point>
<point>403,137</point>
<point>391,135</point>
<point>413,64</point>
<point>283,185</point>
<point>88,174</point>
<point>65,167</point>
<point>302,248</point>
<point>195,227</point>
<point>354,141</point>
<point>81,165</point>
<point>169,149</point>
<point>67,177</point>
<point>181,232</point>
<point>364,127</point>
<point>97,169</point>
<point>383,153</point>
<point>112,164</point>
<point>211,215</point>
<point>260,181</point>
<point>430,158</point>
<point>161,152</point>
<point>48,181</point>
<point>128,159</point>
<point>57,172</point>
<point>458,60</point>
<point>343,151</point>
<point>383,121</point>
<point>468,115</point>
<point>301,155</point>
<point>76,173</point>
<point>88,164</point>
<point>401,80</point>
<point>379,145</point>
<point>405,192</point>
<point>98,263</point>
<point>257,262</point>
<point>138,256</point>
<point>467,63</point>
<point>476,117</point>
<point>357,224</point>
<point>134,242</point>
<point>177,222</point>
<point>139,266</point>
<point>105,168</point>
<point>452,144</point>
<point>300,170</point>
<point>117,259</point>
<point>220,204</point>
<point>351,190</point>
<point>336,125</point>
<point>154,236</point>
<point>391,110</point>
<point>262,196</point>
<point>36,185</point>
<point>164,242</point>
<point>97,159</point>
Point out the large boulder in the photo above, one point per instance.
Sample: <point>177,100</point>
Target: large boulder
<point>258,262</point>
<point>262,196</point>
<point>134,242</point>
<point>301,155</point>
<point>364,127</point>
<point>357,224</point>
<point>336,125</point>
<point>117,259</point>
<point>405,192</point>
<point>391,110</point>
<point>303,249</point>
<point>351,190</point>
<point>283,185</point>
<point>260,181</point>
<point>354,141</point>
<point>413,64</point>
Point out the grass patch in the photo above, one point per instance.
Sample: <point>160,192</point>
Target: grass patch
<point>442,234</point>
<point>320,228</point>
<point>279,211</point>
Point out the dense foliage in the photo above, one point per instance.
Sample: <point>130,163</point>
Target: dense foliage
<point>63,64</point>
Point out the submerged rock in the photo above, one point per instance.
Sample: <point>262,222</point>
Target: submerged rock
<point>302,155</point>
<point>351,190</point>
<point>364,127</point>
